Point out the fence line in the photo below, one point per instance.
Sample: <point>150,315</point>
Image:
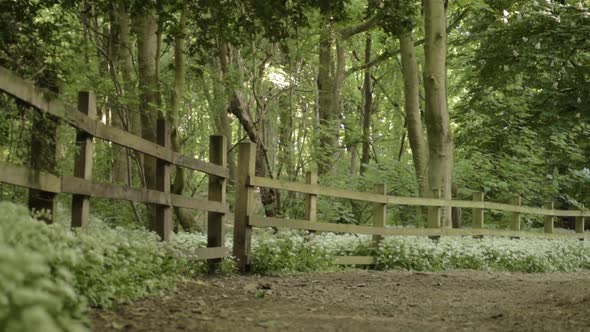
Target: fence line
<point>245,220</point>
<point>82,188</point>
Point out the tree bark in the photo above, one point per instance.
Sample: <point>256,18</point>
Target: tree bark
<point>412,110</point>
<point>174,115</point>
<point>440,143</point>
<point>120,67</point>
<point>147,60</point>
<point>223,122</point>
<point>328,131</point>
<point>367,108</point>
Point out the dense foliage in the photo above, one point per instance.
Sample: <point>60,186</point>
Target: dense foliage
<point>523,122</point>
<point>49,273</point>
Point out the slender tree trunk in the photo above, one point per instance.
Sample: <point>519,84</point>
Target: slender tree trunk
<point>119,31</point>
<point>174,115</point>
<point>147,60</point>
<point>129,91</point>
<point>412,110</point>
<point>367,108</point>
<point>328,138</point>
<point>222,119</point>
<point>440,143</point>
<point>286,139</point>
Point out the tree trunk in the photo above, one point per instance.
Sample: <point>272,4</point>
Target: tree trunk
<point>412,108</point>
<point>223,122</point>
<point>440,143</point>
<point>328,134</point>
<point>174,115</point>
<point>286,143</point>
<point>129,91</point>
<point>367,108</point>
<point>119,117</point>
<point>147,61</point>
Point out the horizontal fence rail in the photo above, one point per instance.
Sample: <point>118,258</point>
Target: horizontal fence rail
<point>316,189</point>
<point>24,177</point>
<point>206,253</point>
<point>260,221</point>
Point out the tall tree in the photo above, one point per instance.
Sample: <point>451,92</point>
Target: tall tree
<point>440,142</point>
<point>148,68</point>
<point>327,108</point>
<point>367,107</point>
<point>121,69</point>
<point>412,109</point>
<point>180,35</point>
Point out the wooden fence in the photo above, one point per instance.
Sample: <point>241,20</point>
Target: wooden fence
<point>245,219</point>
<point>82,188</point>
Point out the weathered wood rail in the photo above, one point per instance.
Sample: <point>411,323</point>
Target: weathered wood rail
<point>245,219</point>
<point>82,188</point>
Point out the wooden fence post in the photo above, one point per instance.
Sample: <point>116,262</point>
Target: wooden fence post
<point>380,213</point>
<point>83,160</point>
<point>515,220</point>
<point>477,212</point>
<point>580,221</point>
<point>217,190</point>
<point>243,206</point>
<point>43,157</point>
<point>163,222</point>
<point>434,214</point>
<point>549,219</point>
<point>311,200</point>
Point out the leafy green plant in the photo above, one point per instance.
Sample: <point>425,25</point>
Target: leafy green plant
<point>35,298</point>
<point>49,272</point>
<point>289,251</point>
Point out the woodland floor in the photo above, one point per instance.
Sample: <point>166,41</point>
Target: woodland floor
<point>359,300</point>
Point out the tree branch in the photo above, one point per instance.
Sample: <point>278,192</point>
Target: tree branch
<point>352,30</point>
<point>388,54</point>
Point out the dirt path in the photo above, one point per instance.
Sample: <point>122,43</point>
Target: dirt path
<point>365,301</point>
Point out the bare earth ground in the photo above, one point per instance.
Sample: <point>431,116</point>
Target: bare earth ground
<point>359,300</point>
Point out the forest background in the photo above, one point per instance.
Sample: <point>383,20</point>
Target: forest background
<point>335,87</point>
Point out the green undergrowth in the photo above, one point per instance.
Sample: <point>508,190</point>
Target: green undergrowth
<point>50,275</point>
<point>489,253</point>
<point>297,251</point>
